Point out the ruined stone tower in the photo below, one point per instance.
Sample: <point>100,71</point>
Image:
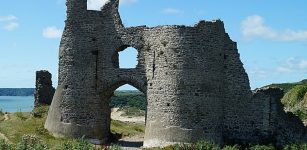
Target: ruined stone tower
<point>195,83</point>
<point>43,88</point>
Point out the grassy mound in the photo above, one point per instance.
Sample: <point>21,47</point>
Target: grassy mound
<point>295,98</point>
<point>30,125</point>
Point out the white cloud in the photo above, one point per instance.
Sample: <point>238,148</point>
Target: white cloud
<point>290,35</point>
<point>9,23</point>
<point>8,18</point>
<point>97,4</point>
<point>11,26</point>
<point>172,11</point>
<point>259,72</point>
<point>52,33</point>
<point>292,65</point>
<point>255,27</point>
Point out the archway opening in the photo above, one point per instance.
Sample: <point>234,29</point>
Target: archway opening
<point>128,112</point>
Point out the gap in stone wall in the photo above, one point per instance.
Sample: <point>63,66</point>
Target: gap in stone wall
<point>95,4</point>
<point>128,58</point>
<point>128,107</point>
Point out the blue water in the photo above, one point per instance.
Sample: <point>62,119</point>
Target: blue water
<point>16,103</point>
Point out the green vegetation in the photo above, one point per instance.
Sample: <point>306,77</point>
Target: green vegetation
<point>133,99</point>
<point>16,91</point>
<point>25,131</point>
<point>1,115</point>
<point>5,145</point>
<point>294,95</point>
<point>32,142</point>
<point>124,129</point>
<point>203,145</point>
<point>133,111</point>
<point>295,98</point>
<point>288,86</point>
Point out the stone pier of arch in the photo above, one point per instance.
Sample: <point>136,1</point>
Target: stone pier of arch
<point>194,80</point>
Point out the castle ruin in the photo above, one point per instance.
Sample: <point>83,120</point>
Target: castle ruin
<point>194,80</point>
<point>43,88</point>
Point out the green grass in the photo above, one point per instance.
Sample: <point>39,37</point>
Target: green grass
<point>1,115</point>
<point>21,124</point>
<point>126,129</point>
<point>203,145</point>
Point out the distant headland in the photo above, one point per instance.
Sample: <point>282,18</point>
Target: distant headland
<point>17,91</point>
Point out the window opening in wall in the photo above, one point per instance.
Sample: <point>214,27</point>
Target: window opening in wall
<point>95,4</point>
<point>128,58</point>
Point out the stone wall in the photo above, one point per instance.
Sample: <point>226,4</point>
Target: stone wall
<point>44,91</point>
<point>193,77</point>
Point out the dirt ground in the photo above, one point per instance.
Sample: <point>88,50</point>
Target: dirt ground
<point>129,143</point>
<point>118,115</point>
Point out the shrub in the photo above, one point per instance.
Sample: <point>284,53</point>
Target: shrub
<point>20,116</point>
<point>39,112</point>
<point>66,146</point>
<point>133,111</point>
<point>296,147</point>
<point>201,145</point>
<point>115,147</point>
<point>234,147</point>
<point>82,144</point>
<point>4,145</point>
<point>294,96</point>
<point>41,130</point>
<point>31,142</point>
<point>262,147</point>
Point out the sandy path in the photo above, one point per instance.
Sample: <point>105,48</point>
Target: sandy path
<point>2,136</point>
<point>6,117</point>
<point>117,115</point>
<point>129,143</point>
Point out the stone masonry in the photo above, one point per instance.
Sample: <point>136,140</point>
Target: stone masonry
<point>194,80</point>
<point>44,91</point>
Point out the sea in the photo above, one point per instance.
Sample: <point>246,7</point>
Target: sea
<point>16,103</point>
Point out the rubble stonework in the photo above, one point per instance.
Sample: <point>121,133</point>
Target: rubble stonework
<point>193,78</point>
<point>44,91</point>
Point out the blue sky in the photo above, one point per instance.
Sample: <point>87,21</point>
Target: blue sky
<point>271,35</point>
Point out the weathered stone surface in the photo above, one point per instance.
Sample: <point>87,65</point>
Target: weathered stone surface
<point>195,83</point>
<point>44,91</point>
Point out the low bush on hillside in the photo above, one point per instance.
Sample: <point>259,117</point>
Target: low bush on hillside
<point>296,101</point>
<point>294,96</point>
<point>21,116</point>
<point>133,111</point>
<point>41,111</point>
<point>5,145</point>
